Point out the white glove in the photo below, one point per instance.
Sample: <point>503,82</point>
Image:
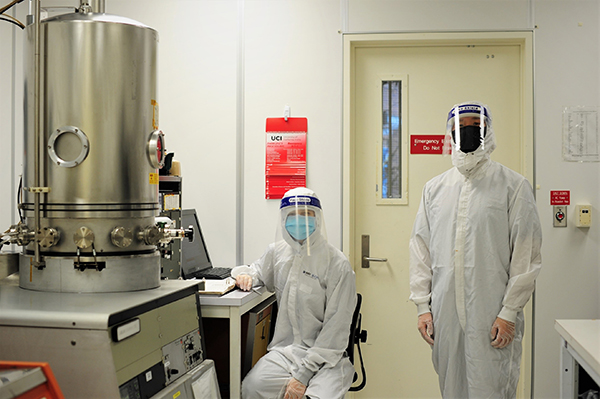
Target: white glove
<point>425,326</point>
<point>502,334</point>
<point>244,281</point>
<point>295,389</point>
<point>243,277</point>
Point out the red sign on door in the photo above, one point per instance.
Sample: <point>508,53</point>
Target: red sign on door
<point>560,197</point>
<point>426,143</point>
<point>286,155</point>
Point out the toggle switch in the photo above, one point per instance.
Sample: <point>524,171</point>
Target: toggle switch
<point>560,216</point>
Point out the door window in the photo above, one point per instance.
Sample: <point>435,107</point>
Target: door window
<point>391,186</point>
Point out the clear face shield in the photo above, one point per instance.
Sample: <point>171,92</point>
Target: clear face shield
<point>466,128</point>
<point>301,219</point>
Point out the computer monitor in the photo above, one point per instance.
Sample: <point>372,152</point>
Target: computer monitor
<point>194,255</point>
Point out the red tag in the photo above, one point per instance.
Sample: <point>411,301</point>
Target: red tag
<point>285,166</point>
<point>560,197</point>
<point>426,144</point>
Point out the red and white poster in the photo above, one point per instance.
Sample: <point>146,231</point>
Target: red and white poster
<point>286,155</point>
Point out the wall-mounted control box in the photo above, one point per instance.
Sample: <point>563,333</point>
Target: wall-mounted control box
<point>583,213</point>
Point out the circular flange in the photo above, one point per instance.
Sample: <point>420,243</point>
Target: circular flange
<point>83,237</point>
<point>47,237</point>
<point>83,141</point>
<point>121,237</point>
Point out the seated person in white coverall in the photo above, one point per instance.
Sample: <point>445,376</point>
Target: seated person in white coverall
<point>474,258</point>
<point>316,295</point>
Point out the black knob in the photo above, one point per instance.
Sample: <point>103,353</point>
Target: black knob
<point>189,233</point>
<point>363,336</point>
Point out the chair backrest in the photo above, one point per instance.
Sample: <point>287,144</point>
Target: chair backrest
<point>357,335</point>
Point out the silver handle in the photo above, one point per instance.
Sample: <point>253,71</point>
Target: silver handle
<point>365,253</point>
<point>374,259</point>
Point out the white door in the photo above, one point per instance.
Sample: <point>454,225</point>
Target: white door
<point>426,75</point>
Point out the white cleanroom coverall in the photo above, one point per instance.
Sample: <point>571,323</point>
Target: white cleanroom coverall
<point>316,297</point>
<point>474,256</point>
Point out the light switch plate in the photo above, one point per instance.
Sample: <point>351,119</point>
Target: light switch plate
<point>583,213</point>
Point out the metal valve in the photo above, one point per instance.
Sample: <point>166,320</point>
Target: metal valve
<point>159,235</point>
<point>151,235</point>
<point>177,234</point>
<point>18,234</point>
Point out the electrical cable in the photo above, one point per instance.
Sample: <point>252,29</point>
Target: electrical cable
<point>12,21</point>
<point>20,198</point>
<point>8,6</point>
<point>4,242</point>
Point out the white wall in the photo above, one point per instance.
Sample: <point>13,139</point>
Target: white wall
<point>6,126</point>
<point>437,15</point>
<point>293,57</point>
<point>567,45</point>
<point>290,53</point>
<point>11,121</point>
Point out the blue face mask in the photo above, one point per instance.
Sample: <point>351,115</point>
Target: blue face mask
<point>297,226</point>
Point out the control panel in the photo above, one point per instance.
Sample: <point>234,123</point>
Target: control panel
<point>182,355</point>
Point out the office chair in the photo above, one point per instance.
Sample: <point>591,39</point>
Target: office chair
<point>357,335</point>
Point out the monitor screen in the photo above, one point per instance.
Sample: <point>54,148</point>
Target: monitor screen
<point>194,255</point>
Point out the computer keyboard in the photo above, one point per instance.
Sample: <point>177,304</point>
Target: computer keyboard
<point>216,272</point>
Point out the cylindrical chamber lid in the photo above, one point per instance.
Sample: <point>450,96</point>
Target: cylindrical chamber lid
<point>96,17</point>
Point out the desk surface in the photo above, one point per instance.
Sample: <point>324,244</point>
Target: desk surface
<point>584,337</point>
<point>236,297</point>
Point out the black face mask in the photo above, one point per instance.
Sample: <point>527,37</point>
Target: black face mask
<point>470,138</point>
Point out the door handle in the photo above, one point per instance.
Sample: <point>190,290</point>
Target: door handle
<point>366,258</point>
<point>374,259</point>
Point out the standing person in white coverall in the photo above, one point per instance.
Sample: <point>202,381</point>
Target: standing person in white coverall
<point>316,295</point>
<point>474,258</point>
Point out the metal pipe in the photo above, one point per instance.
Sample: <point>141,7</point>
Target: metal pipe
<point>36,127</point>
<point>95,5</point>
<point>99,6</point>
<point>30,13</point>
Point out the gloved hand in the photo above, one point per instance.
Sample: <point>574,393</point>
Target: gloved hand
<point>502,334</point>
<point>244,281</point>
<point>295,389</point>
<point>425,326</point>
